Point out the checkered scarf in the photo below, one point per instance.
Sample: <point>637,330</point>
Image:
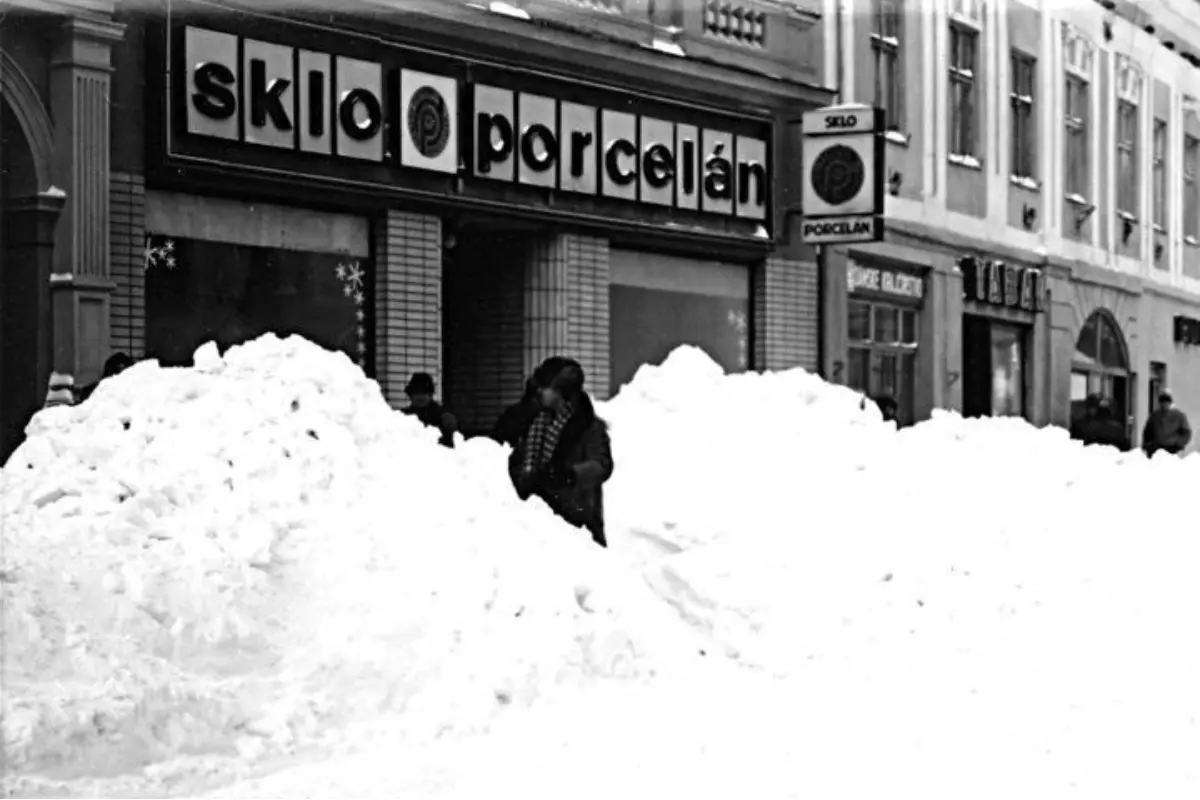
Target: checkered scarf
<point>543,437</point>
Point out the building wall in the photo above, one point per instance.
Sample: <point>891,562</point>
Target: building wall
<point>1093,253</point>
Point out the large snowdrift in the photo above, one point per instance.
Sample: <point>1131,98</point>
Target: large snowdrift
<point>215,566</point>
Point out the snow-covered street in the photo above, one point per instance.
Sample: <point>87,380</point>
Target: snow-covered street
<point>254,579</point>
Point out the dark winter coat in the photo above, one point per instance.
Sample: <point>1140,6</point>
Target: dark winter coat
<point>435,416</point>
<point>1104,429</point>
<point>1166,429</point>
<point>572,482</point>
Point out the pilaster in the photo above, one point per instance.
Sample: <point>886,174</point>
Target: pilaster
<point>80,82</point>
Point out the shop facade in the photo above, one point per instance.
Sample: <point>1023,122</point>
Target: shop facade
<point>422,210</point>
<point>1171,351</point>
<point>937,321</point>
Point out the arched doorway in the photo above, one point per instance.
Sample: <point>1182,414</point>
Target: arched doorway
<point>1100,366</point>
<point>26,147</point>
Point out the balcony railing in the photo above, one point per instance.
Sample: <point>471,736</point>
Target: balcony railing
<point>735,22</point>
<point>777,37</point>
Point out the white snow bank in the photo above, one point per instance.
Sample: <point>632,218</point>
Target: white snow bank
<point>237,558</point>
<point>967,608</point>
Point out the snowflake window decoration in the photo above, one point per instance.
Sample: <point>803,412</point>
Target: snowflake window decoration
<point>160,255</point>
<point>737,321</point>
<point>352,275</point>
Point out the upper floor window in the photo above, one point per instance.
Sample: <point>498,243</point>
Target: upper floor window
<point>1129,99</point>
<point>1160,174</point>
<point>964,136</point>
<point>886,31</point>
<point>1191,189</point>
<point>1078,165</point>
<point>1077,57</point>
<point>1127,149</point>
<point>1023,133</point>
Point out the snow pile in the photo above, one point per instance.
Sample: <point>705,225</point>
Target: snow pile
<point>965,608</point>
<point>239,557</point>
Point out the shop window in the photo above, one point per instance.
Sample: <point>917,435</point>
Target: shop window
<point>994,379</point>
<point>199,291</point>
<point>882,353</point>
<point>659,302</point>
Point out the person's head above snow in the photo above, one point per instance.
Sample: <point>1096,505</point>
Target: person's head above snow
<point>559,379</point>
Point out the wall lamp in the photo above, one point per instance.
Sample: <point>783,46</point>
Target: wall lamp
<point>1082,215</point>
<point>1028,216</point>
<point>894,181</point>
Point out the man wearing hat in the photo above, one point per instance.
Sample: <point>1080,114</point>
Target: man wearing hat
<point>420,391</point>
<point>562,453</point>
<point>1167,428</point>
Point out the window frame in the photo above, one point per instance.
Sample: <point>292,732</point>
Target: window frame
<point>1078,133</point>
<point>1191,188</point>
<point>1128,200</point>
<point>887,48</point>
<point>963,145</point>
<point>1158,165</point>
<point>1023,157</point>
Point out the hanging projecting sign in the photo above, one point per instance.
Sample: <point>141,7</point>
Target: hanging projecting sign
<point>842,198</point>
<point>356,110</point>
<point>1002,285</point>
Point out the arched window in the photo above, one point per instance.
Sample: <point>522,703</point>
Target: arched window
<point>1100,367</point>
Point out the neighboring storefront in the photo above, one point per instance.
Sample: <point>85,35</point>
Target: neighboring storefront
<point>1170,352</point>
<point>1000,342</point>
<point>407,206</point>
<point>883,332</point>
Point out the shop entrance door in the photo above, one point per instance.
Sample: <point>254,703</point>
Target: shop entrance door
<point>977,366</point>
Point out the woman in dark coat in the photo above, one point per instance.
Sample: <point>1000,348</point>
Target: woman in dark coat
<point>562,451</point>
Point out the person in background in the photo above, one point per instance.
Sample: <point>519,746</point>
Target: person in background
<point>563,453</point>
<point>1080,426</point>
<point>1103,427</point>
<point>888,407</point>
<point>115,365</point>
<point>1167,428</point>
<point>420,391</point>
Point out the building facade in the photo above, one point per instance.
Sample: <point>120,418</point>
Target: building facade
<point>455,188</point>
<point>1042,164</point>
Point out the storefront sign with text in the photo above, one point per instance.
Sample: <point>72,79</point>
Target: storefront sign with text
<point>1002,285</point>
<point>884,281</point>
<point>277,96</point>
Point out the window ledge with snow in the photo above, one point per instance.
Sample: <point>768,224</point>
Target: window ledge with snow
<point>970,162</point>
<point>1191,240</point>
<point>1026,182</point>
<point>1076,199</point>
<point>1158,228</point>
<point>897,137</point>
<point>1127,217</point>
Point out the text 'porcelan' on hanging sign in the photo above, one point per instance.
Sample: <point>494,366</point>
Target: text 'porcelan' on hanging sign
<point>281,97</point>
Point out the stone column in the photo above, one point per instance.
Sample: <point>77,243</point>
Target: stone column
<point>29,231</point>
<point>80,83</point>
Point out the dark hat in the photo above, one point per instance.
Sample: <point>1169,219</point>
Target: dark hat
<point>420,383</point>
<point>564,374</point>
<point>1092,400</point>
<point>116,363</point>
<point>1104,402</point>
<point>1165,396</point>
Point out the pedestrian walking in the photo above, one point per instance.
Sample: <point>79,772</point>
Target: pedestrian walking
<point>421,390</point>
<point>1167,428</point>
<point>563,454</point>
